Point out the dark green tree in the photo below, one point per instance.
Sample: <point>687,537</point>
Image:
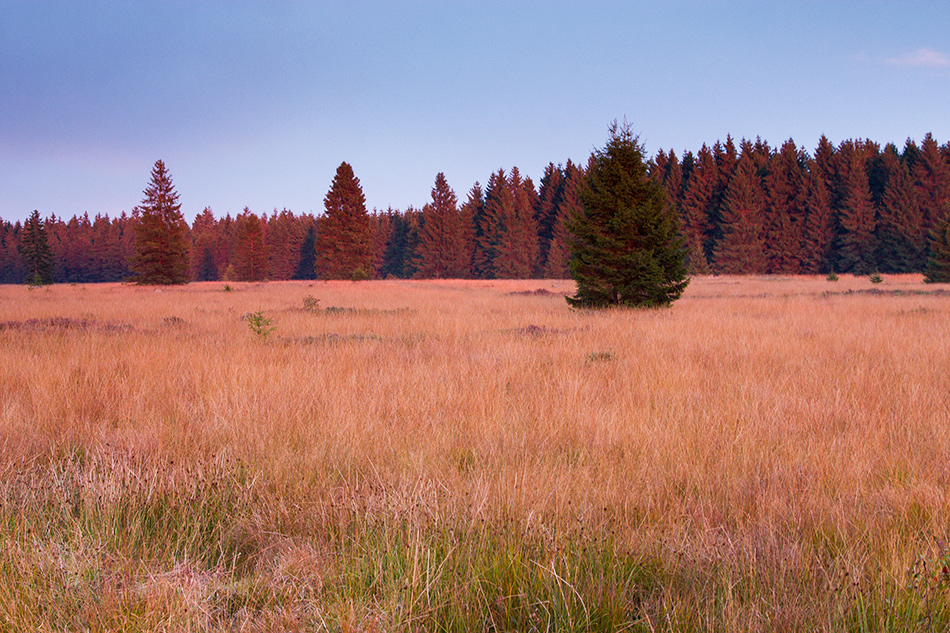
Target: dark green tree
<point>626,248</point>
<point>35,252</point>
<point>938,268</point>
<point>306,263</point>
<point>161,254</point>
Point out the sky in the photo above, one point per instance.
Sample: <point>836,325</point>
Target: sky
<point>256,104</point>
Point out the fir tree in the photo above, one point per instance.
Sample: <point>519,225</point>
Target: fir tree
<point>625,244</point>
<point>550,193</point>
<point>203,232</point>
<point>901,236</point>
<point>490,224</point>
<point>161,234</point>
<point>518,243</point>
<point>345,238</point>
<point>938,268</point>
<point>441,251</point>
<point>35,252</point>
<point>783,221</point>
<point>932,175</point>
<point>857,214</point>
<point>250,260</point>
<point>557,265</point>
<point>695,211</point>
<point>306,261</point>
<point>818,231</point>
<point>742,247</point>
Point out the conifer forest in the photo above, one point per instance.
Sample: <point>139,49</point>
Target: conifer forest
<point>744,208</point>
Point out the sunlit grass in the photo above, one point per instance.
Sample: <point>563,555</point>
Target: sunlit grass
<point>768,454</point>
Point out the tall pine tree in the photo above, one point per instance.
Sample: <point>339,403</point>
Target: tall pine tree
<point>345,238</point>
<point>441,252</point>
<point>695,211</point>
<point>938,268</point>
<point>741,250</point>
<point>625,247</point>
<point>35,252</point>
<point>162,238</point>
<point>857,215</point>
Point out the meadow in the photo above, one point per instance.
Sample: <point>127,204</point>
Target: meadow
<point>767,454</point>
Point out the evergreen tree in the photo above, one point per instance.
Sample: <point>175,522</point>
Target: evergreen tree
<point>625,244</point>
<point>35,252</point>
<point>557,265</point>
<point>932,175</point>
<point>161,234</point>
<point>203,237</point>
<point>938,268</point>
<point>550,193</point>
<point>11,264</point>
<point>818,232</point>
<point>673,182</point>
<point>441,250</point>
<point>518,243</point>
<point>471,213</point>
<point>901,236</point>
<point>857,215</point>
<point>345,238</point>
<point>250,262</point>
<point>490,224</point>
<point>783,220</point>
<point>742,247</point>
<point>306,262</point>
<point>695,211</point>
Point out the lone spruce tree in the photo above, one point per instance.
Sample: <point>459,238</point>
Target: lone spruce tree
<point>344,242</point>
<point>625,245</point>
<point>36,253</point>
<point>938,268</point>
<point>160,256</point>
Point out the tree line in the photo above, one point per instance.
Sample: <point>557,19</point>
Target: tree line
<point>743,208</point>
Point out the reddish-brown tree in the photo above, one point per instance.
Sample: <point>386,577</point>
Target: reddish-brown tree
<point>162,239</point>
<point>818,231</point>
<point>742,247</point>
<point>783,219</point>
<point>901,234</point>
<point>499,204</point>
<point>249,262</point>
<point>557,264</point>
<point>550,192</point>
<point>857,215</point>
<point>441,252</point>
<point>695,211</point>
<point>472,214</point>
<point>203,246</point>
<point>283,237</point>
<point>518,246</point>
<point>345,237</point>
<point>932,178</point>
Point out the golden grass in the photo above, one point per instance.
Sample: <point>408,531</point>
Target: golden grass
<point>768,454</point>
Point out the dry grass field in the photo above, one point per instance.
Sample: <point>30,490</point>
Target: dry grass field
<point>768,454</point>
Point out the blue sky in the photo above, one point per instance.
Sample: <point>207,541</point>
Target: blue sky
<point>257,103</point>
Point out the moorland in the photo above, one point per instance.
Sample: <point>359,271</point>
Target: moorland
<point>770,453</point>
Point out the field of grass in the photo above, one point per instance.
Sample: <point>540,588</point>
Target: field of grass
<point>768,454</point>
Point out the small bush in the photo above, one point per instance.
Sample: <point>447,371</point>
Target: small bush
<point>876,278</point>
<point>832,276</point>
<point>311,304</point>
<point>600,357</point>
<point>260,324</point>
<point>228,288</point>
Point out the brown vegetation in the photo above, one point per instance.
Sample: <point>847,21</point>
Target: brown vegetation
<point>769,454</point>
